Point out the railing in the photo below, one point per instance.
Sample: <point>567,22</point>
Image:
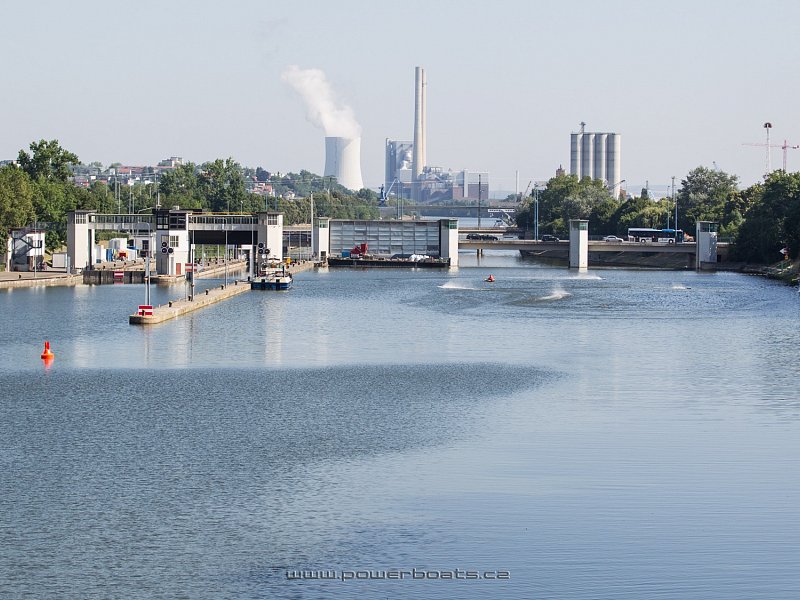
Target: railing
<point>220,221</point>
<point>126,220</point>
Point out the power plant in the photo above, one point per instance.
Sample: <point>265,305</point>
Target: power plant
<point>596,155</point>
<point>407,173</point>
<point>343,161</point>
<point>342,131</point>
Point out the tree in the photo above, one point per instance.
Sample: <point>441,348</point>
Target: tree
<point>222,185</point>
<point>703,196</point>
<point>773,221</point>
<point>16,199</point>
<point>564,198</point>
<point>180,187</point>
<point>47,161</point>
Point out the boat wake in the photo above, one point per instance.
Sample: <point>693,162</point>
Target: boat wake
<point>457,285</point>
<point>680,286</point>
<point>557,294</point>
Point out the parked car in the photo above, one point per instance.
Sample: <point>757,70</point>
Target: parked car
<point>473,236</point>
<point>613,238</point>
<point>550,238</point>
<point>489,237</point>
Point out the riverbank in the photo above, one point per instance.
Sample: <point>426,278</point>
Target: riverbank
<point>786,271</point>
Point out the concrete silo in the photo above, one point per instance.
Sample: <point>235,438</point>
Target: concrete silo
<point>596,155</point>
<point>343,161</point>
<point>575,144</point>
<point>613,159</point>
<point>587,156</point>
<point>600,141</point>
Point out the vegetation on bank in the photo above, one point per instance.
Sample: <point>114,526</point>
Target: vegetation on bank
<point>760,221</point>
<point>39,191</point>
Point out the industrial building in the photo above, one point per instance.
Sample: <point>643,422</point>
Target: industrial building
<point>407,174</point>
<point>437,239</point>
<point>597,155</point>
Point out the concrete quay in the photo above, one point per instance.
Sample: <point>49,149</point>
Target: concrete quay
<point>25,279</point>
<point>177,308</point>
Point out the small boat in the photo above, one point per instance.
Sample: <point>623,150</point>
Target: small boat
<point>489,279</point>
<point>272,280</point>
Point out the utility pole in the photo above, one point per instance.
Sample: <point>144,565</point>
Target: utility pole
<point>675,202</point>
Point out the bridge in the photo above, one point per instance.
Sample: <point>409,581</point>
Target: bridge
<point>170,236</point>
<point>643,254</point>
<point>504,213</point>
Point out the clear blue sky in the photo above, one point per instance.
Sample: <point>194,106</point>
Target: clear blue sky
<point>686,83</point>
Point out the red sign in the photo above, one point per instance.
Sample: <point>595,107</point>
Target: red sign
<point>189,267</point>
<point>119,276</point>
<point>146,310</point>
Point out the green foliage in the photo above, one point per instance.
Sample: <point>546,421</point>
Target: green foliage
<point>16,199</point>
<point>772,221</point>
<point>221,184</point>
<point>704,196</point>
<point>48,161</point>
<point>565,198</point>
<point>181,187</point>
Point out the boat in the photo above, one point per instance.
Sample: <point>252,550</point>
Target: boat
<point>272,280</point>
<point>489,279</point>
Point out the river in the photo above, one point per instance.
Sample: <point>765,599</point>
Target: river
<point>415,434</point>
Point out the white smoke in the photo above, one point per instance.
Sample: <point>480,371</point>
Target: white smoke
<point>336,119</point>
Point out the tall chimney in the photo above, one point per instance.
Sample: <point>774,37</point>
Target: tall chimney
<point>419,128</point>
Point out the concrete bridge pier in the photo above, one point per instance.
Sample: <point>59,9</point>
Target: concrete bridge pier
<point>579,244</point>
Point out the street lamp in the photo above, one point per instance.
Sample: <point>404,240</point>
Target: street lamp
<point>675,201</point>
<point>147,260</point>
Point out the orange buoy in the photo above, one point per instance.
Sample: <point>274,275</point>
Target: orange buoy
<point>47,354</point>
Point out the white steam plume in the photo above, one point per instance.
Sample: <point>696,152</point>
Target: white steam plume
<point>337,120</point>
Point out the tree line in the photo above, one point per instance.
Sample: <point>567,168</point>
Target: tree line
<point>759,221</point>
<point>38,189</point>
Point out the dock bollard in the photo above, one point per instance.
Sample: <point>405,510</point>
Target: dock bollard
<point>170,303</point>
<point>206,292</point>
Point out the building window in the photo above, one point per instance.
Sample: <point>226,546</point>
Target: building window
<point>272,219</point>
<point>173,241</point>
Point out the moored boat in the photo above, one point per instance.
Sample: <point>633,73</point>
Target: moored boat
<point>272,280</point>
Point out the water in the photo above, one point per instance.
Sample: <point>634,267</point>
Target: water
<point>613,434</point>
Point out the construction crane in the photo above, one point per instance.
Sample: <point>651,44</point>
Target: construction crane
<point>525,193</point>
<point>785,147</point>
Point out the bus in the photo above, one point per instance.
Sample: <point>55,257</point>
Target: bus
<point>646,234</point>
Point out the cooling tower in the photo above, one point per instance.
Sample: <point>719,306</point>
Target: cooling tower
<point>343,161</point>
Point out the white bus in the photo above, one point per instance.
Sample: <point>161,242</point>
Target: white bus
<point>646,234</point>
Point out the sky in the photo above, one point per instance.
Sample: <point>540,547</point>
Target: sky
<point>686,83</point>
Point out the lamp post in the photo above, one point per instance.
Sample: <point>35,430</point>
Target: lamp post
<point>147,257</point>
<point>226,256</point>
<point>312,225</point>
<point>675,201</point>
